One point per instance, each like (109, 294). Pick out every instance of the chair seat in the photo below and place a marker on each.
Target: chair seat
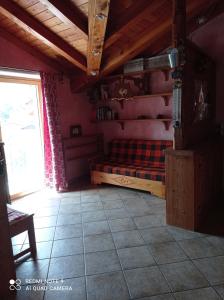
(15, 215)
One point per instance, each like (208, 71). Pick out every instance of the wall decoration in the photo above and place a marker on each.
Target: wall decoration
(104, 92)
(122, 90)
(201, 106)
(75, 130)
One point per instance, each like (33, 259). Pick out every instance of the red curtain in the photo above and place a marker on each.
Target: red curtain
(53, 154)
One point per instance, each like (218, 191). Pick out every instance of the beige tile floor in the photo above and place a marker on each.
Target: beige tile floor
(112, 243)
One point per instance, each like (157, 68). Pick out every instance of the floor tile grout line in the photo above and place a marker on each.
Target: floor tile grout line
(84, 258)
(125, 280)
(195, 258)
(198, 288)
(51, 250)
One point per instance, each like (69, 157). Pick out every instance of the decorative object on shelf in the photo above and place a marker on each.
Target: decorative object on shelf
(104, 92)
(122, 90)
(134, 65)
(156, 62)
(75, 130)
(106, 113)
(94, 94)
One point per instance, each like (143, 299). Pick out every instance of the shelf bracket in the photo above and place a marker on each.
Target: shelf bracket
(166, 100)
(167, 124)
(166, 74)
(121, 124)
(121, 102)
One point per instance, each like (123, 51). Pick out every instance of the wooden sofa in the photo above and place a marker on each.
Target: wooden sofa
(138, 164)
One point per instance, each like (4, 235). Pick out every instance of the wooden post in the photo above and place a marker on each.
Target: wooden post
(179, 23)
(7, 268)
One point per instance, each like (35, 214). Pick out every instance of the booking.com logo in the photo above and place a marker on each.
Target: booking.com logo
(15, 285)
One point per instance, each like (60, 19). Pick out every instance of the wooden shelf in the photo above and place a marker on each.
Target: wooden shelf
(166, 96)
(79, 137)
(88, 155)
(80, 145)
(166, 121)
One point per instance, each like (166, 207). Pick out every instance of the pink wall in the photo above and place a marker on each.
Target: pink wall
(149, 107)
(73, 108)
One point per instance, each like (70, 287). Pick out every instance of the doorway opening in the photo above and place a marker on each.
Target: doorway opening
(21, 130)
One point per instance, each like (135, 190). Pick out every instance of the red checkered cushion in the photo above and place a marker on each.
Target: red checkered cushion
(123, 169)
(103, 167)
(151, 174)
(111, 167)
(148, 153)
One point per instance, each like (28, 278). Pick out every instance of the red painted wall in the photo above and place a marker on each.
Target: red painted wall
(150, 107)
(73, 108)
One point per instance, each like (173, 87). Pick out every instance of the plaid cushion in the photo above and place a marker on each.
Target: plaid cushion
(148, 153)
(123, 169)
(103, 167)
(110, 167)
(151, 174)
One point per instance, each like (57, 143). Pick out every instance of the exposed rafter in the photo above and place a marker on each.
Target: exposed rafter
(32, 50)
(98, 15)
(206, 15)
(119, 56)
(29, 23)
(137, 11)
(67, 13)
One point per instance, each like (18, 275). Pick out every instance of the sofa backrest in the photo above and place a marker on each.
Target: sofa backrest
(148, 153)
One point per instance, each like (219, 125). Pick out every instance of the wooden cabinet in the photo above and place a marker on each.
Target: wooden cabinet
(193, 184)
(7, 269)
(77, 152)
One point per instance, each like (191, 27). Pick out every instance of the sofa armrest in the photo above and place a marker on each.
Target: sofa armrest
(96, 159)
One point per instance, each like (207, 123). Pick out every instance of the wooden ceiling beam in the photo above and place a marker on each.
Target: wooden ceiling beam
(209, 13)
(33, 51)
(29, 23)
(98, 15)
(134, 14)
(119, 56)
(68, 13)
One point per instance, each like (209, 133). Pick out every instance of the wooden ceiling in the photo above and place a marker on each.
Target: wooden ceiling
(93, 38)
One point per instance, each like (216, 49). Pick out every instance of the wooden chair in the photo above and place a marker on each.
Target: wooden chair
(18, 223)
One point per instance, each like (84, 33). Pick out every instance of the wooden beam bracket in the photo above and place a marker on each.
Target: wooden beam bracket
(166, 100)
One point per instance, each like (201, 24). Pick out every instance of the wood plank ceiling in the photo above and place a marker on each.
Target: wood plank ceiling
(94, 38)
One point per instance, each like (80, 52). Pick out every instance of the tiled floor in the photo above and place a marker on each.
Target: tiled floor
(113, 244)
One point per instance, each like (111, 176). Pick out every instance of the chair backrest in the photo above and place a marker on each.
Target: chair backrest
(148, 153)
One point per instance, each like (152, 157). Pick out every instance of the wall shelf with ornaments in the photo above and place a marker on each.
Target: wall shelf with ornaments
(166, 97)
(122, 122)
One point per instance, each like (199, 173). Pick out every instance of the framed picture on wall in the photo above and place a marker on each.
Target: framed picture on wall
(75, 130)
